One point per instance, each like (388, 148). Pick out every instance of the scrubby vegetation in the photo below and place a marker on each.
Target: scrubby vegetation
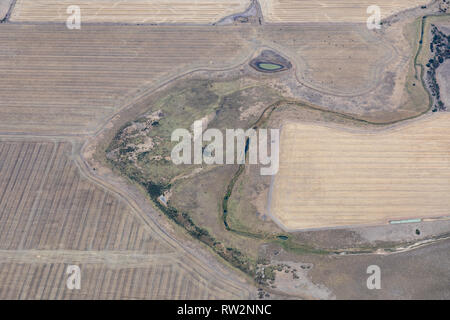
(440, 47)
(232, 255)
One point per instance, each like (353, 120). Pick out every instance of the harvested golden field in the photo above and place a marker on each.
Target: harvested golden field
(52, 216)
(330, 10)
(332, 177)
(130, 11)
(56, 80)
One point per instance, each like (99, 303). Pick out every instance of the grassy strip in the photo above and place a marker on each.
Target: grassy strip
(419, 49)
(228, 195)
(422, 68)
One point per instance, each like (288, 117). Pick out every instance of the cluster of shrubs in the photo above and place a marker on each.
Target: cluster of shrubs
(443, 6)
(440, 46)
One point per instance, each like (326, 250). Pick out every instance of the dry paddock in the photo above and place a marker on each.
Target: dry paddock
(331, 177)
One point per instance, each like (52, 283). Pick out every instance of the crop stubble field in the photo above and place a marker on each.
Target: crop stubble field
(291, 11)
(45, 204)
(56, 80)
(37, 280)
(130, 11)
(51, 216)
(330, 177)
